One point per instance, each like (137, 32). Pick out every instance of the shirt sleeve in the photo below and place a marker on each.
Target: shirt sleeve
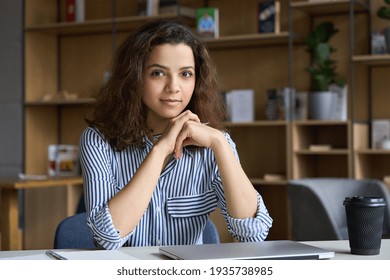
(245, 230)
(99, 186)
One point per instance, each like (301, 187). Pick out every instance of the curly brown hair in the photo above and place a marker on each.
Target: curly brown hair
(119, 110)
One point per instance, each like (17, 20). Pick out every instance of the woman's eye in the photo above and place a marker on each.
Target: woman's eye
(157, 73)
(187, 74)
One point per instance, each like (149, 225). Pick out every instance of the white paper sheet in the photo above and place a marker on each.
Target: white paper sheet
(95, 255)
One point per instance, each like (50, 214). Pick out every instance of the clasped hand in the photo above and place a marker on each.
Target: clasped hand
(185, 130)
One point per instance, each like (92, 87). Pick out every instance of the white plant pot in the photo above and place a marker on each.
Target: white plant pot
(323, 105)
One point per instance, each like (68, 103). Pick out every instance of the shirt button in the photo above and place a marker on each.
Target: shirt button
(158, 242)
(158, 209)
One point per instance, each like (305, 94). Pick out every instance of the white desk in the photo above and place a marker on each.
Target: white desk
(340, 247)
(342, 250)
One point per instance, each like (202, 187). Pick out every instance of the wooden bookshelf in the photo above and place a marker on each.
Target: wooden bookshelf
(75, 56)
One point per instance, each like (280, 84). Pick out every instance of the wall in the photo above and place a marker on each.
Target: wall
(11, 87)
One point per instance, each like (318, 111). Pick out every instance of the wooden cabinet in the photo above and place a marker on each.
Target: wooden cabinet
(321, 149)
(75, 57)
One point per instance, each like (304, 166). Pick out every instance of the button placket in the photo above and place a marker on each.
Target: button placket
(158, 215)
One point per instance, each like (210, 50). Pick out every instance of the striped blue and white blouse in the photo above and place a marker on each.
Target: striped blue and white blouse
(188, 190)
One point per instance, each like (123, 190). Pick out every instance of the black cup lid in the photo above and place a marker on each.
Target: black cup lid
(365, 201)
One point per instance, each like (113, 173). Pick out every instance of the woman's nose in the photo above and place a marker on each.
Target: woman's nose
(172, 85)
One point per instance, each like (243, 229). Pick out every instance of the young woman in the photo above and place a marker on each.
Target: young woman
(155, 159)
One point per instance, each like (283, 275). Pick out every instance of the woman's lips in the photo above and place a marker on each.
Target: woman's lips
(171, 101)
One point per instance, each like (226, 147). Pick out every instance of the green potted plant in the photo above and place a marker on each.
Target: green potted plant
(323, 101)
(384, 13)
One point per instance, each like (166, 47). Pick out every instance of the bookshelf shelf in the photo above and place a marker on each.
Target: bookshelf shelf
(328, 152)
(79, 101)
(320, 123)
(257, 124)
(372, 60)
(96, 26)
(329, 7)
(248, 40)
(373, 152)
(259, 181)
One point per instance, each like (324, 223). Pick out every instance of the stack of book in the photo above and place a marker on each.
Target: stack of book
(165, 7)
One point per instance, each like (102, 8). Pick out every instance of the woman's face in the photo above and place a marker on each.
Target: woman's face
(169, 82)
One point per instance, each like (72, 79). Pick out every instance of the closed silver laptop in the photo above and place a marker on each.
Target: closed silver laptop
(271, 250)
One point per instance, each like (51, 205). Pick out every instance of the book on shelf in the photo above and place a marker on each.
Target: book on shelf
(341, 109)
(207, 22)
(269, 177)
(171, 7)
(74, 10)
(268, 16)
(164, 7)
(286, 103)
(152, 7)
(272, 105)
(70, 10)
(380, 132)
(240, 105)
(320, 147)
(300, 106)
(378, 43)
(148, 7)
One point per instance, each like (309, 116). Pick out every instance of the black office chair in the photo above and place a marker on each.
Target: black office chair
(73, 233)
(317, 210)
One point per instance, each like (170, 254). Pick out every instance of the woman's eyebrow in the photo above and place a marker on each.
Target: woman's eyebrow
(165, 67)
(157, 65)
(187, 67)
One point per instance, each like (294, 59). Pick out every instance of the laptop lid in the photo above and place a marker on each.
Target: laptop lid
(276, 249)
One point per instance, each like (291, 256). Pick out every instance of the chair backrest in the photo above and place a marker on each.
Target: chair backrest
(210, 233)
(73, 233)
(317, 210)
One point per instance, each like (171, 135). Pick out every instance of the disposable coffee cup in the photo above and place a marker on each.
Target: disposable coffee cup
(365, 224)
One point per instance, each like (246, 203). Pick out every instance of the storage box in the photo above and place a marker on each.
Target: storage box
(63, 160)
